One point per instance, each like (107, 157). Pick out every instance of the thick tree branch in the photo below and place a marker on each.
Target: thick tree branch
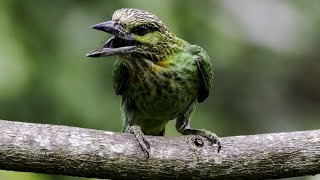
(74, 151)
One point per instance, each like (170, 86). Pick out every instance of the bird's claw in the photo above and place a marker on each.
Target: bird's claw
(144, 144)
(212, 137)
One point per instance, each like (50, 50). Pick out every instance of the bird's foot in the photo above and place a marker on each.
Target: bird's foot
(211, 136)
(205, 133)
(144, 144)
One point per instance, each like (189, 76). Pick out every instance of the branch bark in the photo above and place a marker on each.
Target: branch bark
(63, 150)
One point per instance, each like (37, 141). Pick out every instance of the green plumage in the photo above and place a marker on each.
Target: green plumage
(159, 76)
(158, 94)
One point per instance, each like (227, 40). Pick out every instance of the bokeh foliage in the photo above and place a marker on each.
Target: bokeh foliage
(266, 56)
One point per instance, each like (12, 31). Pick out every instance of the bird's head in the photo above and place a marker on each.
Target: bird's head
(135, 33)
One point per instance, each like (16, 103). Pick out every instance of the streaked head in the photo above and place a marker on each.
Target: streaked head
(135, 33)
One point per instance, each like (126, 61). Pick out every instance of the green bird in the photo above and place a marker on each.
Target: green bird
(159, 75)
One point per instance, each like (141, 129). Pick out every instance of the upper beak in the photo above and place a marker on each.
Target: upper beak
(112, 28)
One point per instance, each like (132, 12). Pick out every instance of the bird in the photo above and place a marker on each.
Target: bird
(159, 76)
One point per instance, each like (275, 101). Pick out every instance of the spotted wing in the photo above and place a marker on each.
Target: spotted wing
(205, 69)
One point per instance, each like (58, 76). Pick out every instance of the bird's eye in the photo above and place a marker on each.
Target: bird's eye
(141, 30)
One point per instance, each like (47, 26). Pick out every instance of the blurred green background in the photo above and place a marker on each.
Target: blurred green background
(266, 56)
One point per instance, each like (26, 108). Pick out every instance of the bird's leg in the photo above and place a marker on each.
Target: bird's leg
(183, 126)
(128, 110)
(144, 144)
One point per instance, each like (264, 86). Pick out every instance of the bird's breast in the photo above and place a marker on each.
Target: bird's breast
(164, 90)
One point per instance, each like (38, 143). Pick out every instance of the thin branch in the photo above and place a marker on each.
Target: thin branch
(63, 150)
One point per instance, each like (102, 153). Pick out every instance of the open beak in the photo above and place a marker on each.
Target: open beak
(120, 44)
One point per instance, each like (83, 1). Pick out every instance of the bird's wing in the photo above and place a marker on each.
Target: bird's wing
(205, 70)
(120, 76)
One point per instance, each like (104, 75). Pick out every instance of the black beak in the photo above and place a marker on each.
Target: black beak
(119, 44)
(112, 28)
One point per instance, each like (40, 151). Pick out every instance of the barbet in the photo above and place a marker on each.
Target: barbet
(159, 76)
